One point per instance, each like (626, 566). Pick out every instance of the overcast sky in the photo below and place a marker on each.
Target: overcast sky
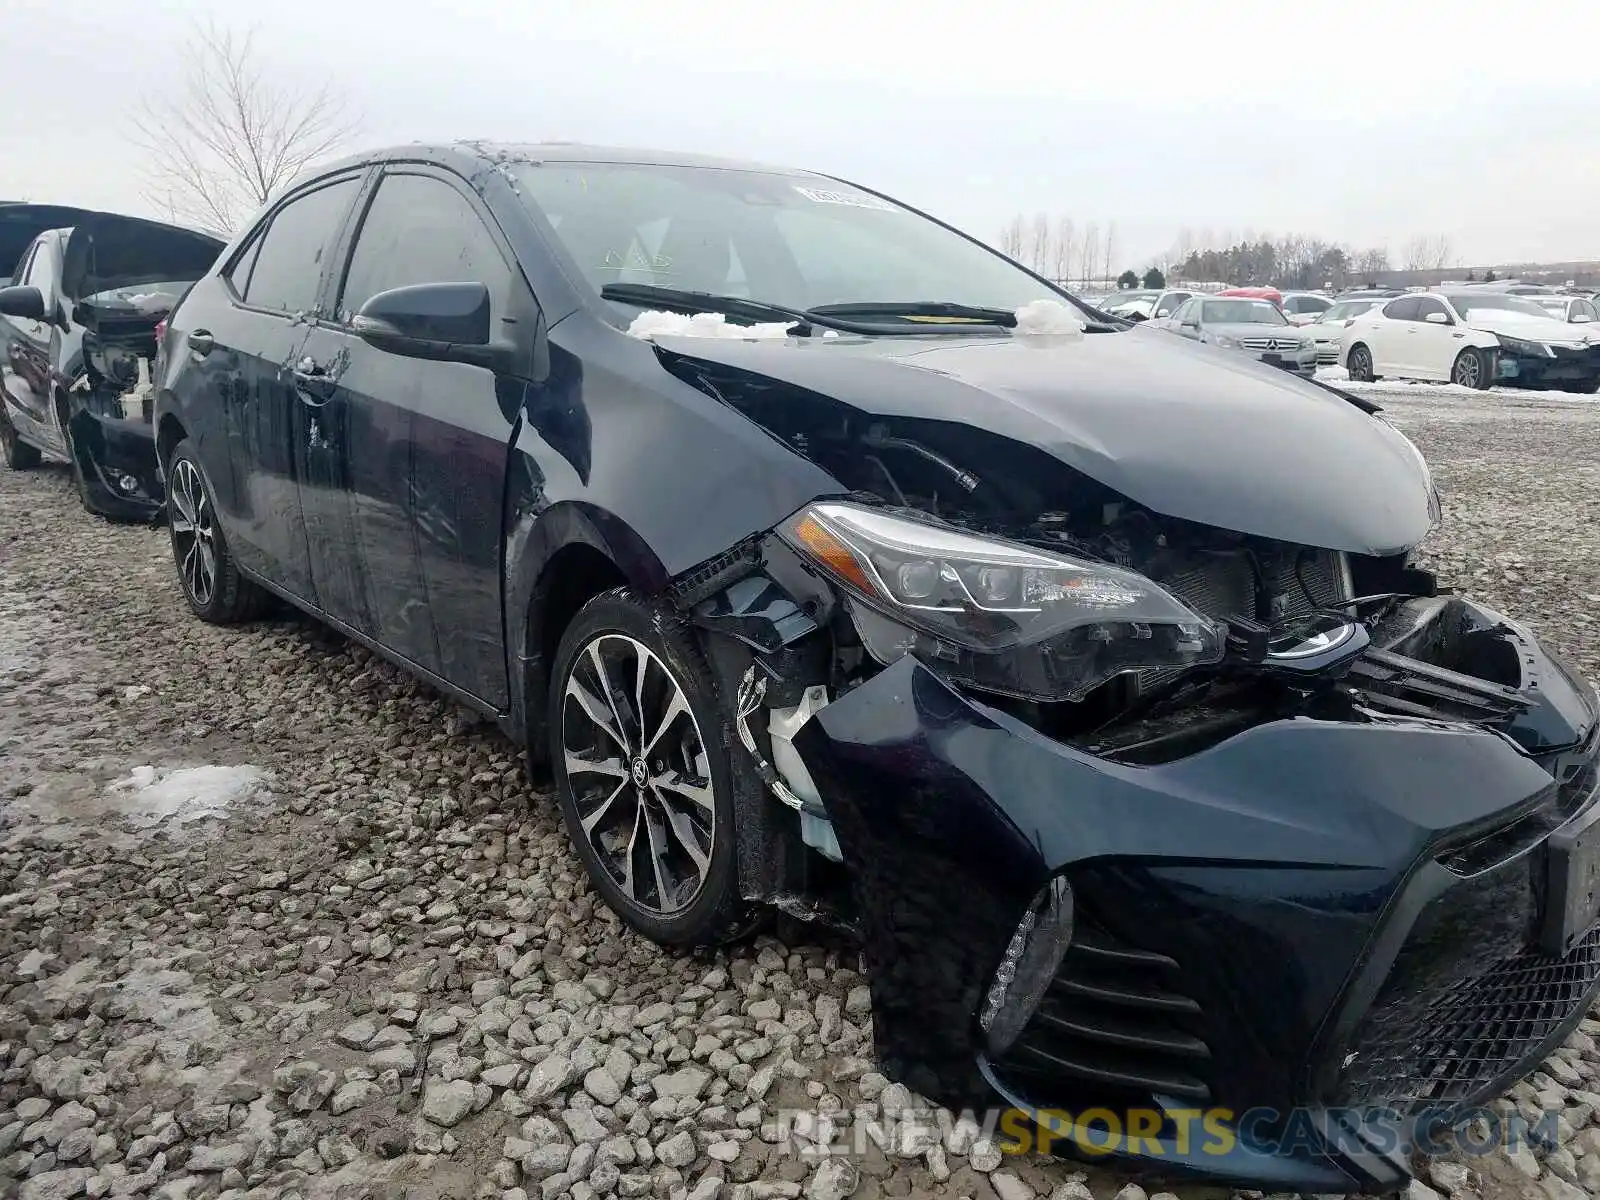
(1361, 122)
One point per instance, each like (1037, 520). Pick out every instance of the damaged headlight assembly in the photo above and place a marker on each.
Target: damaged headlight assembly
(996, 615)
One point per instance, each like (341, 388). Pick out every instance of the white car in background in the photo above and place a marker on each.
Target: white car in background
(1474, 339)
(1302, 308)
(1328, 328)
(1574, 310)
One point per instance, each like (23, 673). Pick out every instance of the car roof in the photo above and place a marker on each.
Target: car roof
(476, 154)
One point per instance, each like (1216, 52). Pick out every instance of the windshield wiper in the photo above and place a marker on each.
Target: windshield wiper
(682, 301)
(936, 309)
(939, 311)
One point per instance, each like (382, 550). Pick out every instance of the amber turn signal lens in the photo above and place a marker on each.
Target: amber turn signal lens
(832, 553)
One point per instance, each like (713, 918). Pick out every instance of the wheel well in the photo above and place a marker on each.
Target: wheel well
(168, 436)
(573, 576)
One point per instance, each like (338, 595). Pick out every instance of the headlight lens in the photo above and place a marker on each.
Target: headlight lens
(996, 615)
(1223, 340)
(1513, 345)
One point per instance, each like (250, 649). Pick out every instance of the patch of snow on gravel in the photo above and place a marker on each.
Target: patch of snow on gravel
(149, 796)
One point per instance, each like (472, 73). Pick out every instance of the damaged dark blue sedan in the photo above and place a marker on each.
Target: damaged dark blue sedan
(829, 561)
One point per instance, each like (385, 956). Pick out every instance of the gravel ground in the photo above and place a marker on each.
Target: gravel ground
(277, 920)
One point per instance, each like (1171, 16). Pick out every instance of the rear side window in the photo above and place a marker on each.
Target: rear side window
(419, 229)
(288, 266)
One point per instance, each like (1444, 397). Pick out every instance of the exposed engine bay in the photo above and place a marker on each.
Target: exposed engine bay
(1310, 631)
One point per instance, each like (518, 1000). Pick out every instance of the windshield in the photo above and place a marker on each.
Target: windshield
(1346, 309)
(1466, 304)
(1242, 312)
(794, 240)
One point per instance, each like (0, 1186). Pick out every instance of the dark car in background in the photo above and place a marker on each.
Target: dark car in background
(827, 559)
(78, 339)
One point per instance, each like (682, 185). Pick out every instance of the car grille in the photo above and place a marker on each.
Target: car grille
(1282, 345)
(1469, 1003)
(1113, 1019)
(1327, 355)
(1463, 1046)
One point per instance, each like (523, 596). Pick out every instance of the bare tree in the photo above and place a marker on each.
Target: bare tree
(1064, 249)
(229, 136)
(1111, 244)
(1091, 252)
(1040, 258)
(1372, 263)
(1012, 237)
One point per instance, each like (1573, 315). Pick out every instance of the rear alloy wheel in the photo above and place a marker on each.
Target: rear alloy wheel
(648, 790)
(18, 454)
(1359, 364)
(1471, 370)
(211, 581)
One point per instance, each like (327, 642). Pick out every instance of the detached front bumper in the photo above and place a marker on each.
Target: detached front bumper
(117, 457)
(1304, 923)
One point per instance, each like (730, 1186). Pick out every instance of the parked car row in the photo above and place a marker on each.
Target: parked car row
(1475, 338)
(824, 558)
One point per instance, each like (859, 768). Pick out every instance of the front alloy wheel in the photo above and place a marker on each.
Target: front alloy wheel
(1471, 370)
(647, 787)
(1359, 364)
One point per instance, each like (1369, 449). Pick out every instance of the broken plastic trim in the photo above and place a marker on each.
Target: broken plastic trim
(752, 691)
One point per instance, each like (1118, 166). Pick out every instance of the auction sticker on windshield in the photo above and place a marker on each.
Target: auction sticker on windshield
(849, 199)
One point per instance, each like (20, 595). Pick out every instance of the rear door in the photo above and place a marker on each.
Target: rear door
(428, 441)
(244, 346)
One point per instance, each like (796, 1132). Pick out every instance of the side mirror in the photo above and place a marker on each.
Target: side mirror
(24, 302)
(1437, 318)
(442, 322)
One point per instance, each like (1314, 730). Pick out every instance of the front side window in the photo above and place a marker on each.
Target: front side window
(1170, 304)
(1403, 309)
(41, 269)
(23, 264)
(1428, 305)
(420, 229)
(288, 268)
(789, 239)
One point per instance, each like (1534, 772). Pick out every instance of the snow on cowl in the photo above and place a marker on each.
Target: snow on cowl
(1048, 318)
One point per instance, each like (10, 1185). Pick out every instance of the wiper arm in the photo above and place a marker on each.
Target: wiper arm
(682, 301)
(933, 309)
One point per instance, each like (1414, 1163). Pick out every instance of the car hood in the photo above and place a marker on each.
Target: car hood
(20, 223)
(1533, 329)
(1183, 429)
(108, 251)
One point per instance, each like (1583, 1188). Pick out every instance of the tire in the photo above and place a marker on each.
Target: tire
(1472, 370)
(637, 820)
(1588, 387)
(18, 454)
(225, 597)
(1358, 363)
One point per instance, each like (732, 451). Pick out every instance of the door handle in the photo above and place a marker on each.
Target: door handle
(312, 382)
(201, 342)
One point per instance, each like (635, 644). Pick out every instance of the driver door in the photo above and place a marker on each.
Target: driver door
(30, 350)
(1435, 344)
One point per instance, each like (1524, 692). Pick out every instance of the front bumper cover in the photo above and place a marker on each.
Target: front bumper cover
(112, 450)
(1286, 886)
